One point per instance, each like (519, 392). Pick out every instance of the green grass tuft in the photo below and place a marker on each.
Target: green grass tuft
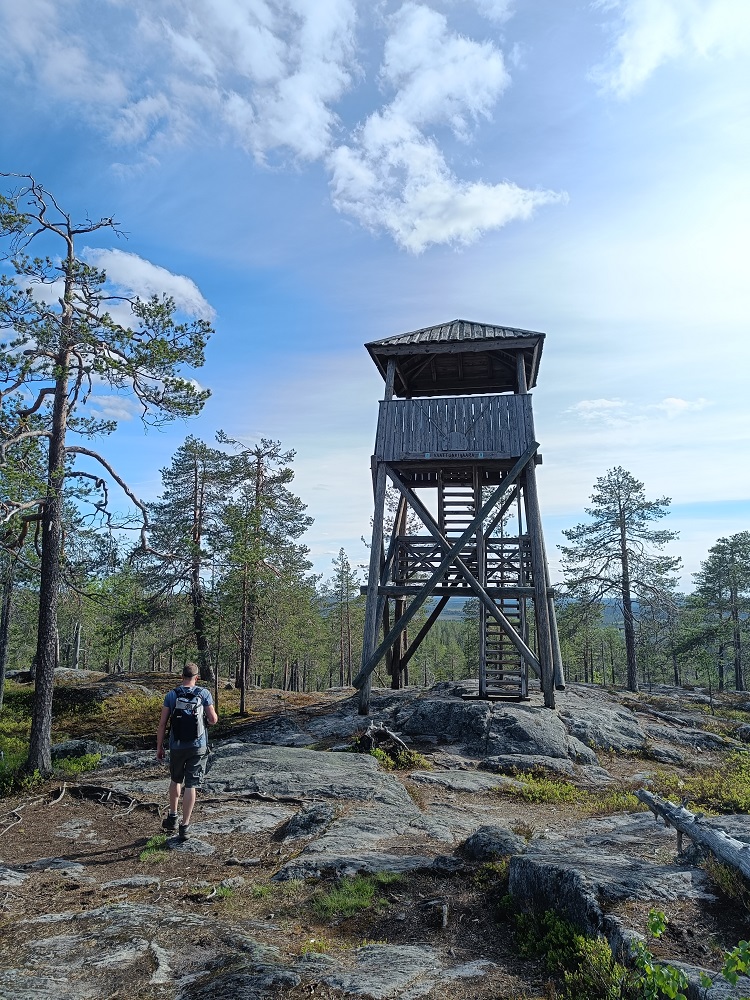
(155, 849)
(538, 787)
(352, 895)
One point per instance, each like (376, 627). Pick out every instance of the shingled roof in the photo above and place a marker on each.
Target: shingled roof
(458, 358)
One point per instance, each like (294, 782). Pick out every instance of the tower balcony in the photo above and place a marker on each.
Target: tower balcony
(450, 428)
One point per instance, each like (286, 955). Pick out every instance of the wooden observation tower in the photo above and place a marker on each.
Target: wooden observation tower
(455, 439)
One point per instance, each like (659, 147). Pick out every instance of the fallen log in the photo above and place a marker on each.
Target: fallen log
(725, 849)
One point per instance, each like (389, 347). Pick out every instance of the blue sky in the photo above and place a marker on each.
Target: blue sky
(318, 174)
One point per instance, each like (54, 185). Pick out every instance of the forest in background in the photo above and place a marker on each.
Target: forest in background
(227, 581)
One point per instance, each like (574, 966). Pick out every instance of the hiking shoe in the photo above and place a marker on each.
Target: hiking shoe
(184, 831)
(169, 823)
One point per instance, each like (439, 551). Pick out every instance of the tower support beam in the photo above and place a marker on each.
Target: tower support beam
(452, 556)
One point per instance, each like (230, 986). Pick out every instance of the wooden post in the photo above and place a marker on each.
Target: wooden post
(399, 603)
(369, 638)
(541, 605)
(544, 610)
(521, 386)
(482, 577)
(557, 659)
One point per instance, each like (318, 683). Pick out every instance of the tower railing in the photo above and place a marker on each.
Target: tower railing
(447, 427)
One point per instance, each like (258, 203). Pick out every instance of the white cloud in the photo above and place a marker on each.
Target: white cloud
(393, 176)
(133, 275)
(269, 69)
(650, 33)
(441, 77)
(673, 407)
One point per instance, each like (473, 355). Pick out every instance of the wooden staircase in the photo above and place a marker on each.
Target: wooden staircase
(457, 503)
(502, 672)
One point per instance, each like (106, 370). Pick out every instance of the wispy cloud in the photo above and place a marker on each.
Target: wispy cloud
(130, 275)
(495, 10)
(649, 33)
(38, 47)
(611, 412)
(114, 407)
(620, 413)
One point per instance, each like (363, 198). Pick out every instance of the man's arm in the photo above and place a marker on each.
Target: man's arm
(165, 713)
(211, 717)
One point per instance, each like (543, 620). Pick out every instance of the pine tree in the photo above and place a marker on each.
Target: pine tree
(262, 519)
(613, 554)
(723, 587)
(59, 346)
(186, 523)
(344, 601)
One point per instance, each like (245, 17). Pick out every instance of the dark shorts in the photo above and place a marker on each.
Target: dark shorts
(188, 767)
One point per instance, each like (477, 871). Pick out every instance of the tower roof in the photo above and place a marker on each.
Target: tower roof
(458, 358)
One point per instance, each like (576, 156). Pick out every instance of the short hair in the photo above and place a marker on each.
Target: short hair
(190, 670)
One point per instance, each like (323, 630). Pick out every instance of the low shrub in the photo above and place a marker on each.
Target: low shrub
(585, 967)
(401, 760)
(721, 790)
(78, 765)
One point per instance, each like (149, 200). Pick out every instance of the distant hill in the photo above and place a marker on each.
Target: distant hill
(454, 610)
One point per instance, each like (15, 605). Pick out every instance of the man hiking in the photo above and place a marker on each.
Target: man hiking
(190, 709)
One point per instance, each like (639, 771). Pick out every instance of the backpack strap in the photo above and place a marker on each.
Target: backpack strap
(168, 727)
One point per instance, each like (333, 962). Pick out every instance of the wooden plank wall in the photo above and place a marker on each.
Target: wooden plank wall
(497, 426)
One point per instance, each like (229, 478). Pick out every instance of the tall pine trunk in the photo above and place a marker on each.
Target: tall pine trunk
(199, 624)
(627, 612)
(40, 744)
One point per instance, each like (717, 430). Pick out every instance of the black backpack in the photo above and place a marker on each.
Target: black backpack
(186, 720)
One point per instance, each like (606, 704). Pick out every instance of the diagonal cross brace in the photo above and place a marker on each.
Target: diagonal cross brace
(387, 563)
(452, 556)
(475, 585)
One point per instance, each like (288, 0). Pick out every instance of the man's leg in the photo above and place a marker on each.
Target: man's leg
(188, 802)
(170, 823)
(195, 768)
(174, 796)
